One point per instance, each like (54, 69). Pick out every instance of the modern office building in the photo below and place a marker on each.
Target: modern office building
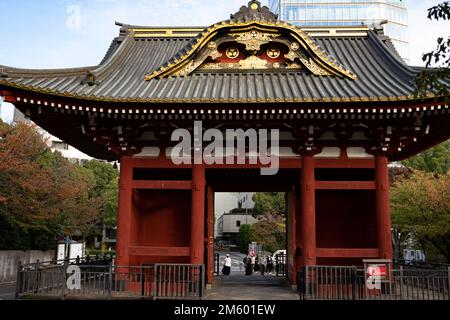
(223, 202)
(335, 13)
(246, 200)
(229, 224)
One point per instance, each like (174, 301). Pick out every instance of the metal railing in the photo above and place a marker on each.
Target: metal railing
(351, 283)
(281, 265)
(217, 264)
(157, 281)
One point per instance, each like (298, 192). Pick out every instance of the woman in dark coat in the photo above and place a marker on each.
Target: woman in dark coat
(248, 266)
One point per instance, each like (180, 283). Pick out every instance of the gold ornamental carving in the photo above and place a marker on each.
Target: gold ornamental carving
(295, 46)
(232, 53)
(273, 53)
(212, 45)
(253, 40)
(188, 68)
(253, 62)
(312, 66)
(254, 6)
(291, 55)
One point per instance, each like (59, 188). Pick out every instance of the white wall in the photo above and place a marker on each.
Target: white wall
(229, 222)
(9, 261)
(223, 203)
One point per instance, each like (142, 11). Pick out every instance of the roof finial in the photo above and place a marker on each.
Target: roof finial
(253, 11)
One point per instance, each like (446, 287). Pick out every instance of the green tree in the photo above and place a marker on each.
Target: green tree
(436, 159)
(106, 187)
(437, 79)
(111, 202)
(245, 237)
(270, 235)
(269, 203)
(420, 205)
(103, 173)
(42, 195)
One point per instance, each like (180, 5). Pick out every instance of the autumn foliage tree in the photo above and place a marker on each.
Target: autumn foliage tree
(42, 195)
(270, 232)
(421, 207)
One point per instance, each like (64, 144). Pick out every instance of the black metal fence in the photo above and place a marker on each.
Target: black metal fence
(281, 265)
(66, 281)
(351, 283)
(217, 264)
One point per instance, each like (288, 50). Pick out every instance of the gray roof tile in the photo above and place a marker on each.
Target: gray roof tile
(122, 72)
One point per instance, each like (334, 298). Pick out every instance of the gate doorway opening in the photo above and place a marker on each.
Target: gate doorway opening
(235, 223)
(251, 225)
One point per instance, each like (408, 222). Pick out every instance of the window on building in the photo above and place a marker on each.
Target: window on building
(59, 145)
(238, 223)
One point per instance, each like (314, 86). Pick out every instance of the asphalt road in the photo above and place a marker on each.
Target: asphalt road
(7, 292)
(237, 264)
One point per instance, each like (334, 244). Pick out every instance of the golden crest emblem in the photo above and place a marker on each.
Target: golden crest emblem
(232, 53)
(273, 53)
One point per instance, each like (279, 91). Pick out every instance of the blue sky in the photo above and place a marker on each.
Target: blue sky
(40, 34)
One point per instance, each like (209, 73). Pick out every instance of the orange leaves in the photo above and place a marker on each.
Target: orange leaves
(40, 190)
(420, 206)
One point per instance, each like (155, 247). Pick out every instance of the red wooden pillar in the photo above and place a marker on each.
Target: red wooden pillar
(382, 208)
(210, 236)
(124, 218)
(292, 236)
(308, 227)
(198, 214)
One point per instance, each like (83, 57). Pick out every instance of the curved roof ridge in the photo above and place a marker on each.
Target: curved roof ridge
(188, 50)
(386, 51)
(115, 56)
(126, 27)
(115, 44)
(12, 72)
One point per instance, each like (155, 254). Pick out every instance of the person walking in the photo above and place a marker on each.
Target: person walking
(248, 266)
(262, 265)
(269, 264)
(227, 266)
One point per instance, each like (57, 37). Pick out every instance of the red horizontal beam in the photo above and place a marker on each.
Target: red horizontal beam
(345, 185)
(344, 163)
(162, 184)
(346, 253)
(158, 163)
(285, 163)
(8, 96)
(160, 251)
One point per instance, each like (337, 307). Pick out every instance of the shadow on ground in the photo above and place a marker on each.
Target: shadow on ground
(254, 287)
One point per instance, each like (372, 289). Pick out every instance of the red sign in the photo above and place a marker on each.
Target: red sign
(377, 270)
(252, 253)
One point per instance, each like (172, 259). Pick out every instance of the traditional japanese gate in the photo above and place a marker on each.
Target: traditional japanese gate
(342, 101)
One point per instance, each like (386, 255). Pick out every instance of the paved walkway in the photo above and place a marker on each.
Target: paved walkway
(254, 287)
(7, 292)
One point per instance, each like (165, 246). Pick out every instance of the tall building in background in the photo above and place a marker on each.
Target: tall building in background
(334, 13)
